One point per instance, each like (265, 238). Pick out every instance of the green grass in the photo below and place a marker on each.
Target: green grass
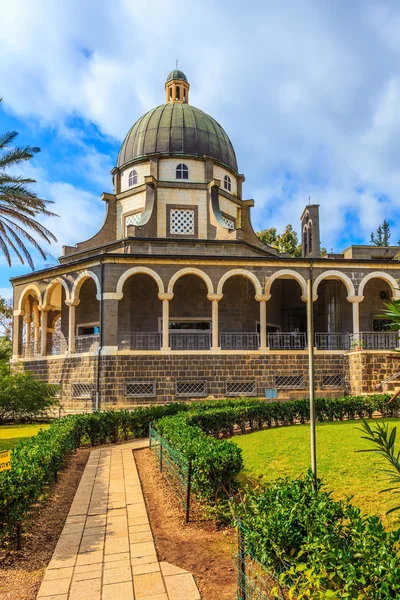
(274, 453)
(10, 435)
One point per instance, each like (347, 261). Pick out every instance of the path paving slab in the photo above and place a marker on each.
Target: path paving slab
(106, 550)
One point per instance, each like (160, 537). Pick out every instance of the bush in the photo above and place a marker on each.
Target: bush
(24, 398)
(215, 463)
(318, 547)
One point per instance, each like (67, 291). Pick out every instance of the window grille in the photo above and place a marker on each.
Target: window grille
(182, 172)
(333, 381)
(289, 381)
(229, 222)
(140, 389)
(227, 183)
(133, 219)
(182, 221)
(81, 390)
(191, 388)
(132, 178)
(240, 388)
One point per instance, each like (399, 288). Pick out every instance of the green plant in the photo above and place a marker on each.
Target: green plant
(384, 439)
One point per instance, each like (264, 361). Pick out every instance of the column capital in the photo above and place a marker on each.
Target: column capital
(110, 296)
(262, 297)
(355, 298)
(44, 308)
(216, 297)
(19, 313)
(72, 302)
(165, 296)
(27, 319)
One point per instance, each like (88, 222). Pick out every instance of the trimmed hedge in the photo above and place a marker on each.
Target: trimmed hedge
(317, 547)
(36, 461)
(216, 463)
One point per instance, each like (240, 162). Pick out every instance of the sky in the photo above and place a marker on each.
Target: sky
(308, 92)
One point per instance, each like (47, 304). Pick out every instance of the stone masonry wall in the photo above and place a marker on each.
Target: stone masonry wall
(165, 371)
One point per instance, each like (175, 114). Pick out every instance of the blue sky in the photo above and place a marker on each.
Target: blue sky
(309, 93)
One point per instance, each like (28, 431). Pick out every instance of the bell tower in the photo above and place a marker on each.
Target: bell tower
(177, 87)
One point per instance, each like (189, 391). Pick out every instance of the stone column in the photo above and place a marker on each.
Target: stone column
(110, 322)
(263, 299)
(166, 298)
(17, 333)
(215, 298)
(43, 339)
(71, 325)
(27, 321)
(355, 300)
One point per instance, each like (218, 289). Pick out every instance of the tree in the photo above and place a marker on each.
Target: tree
(19, 206)
(384, 440)
(382, 235)
(287, 241)
(6, 313)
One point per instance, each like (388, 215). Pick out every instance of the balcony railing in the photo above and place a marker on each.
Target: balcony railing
(287, 341)
(239, 341)
(140, 341)
(87, 343)
(199, 340)
(332, 341)
(374, 340)
(30, 349)
(57, 346)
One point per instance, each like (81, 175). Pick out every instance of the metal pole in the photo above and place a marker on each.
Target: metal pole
(188, 490)
(241, 566)
(310, 346)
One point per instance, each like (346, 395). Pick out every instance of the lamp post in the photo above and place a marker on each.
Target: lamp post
(310, 346)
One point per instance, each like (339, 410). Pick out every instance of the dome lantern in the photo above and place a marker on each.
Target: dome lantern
(177, 87)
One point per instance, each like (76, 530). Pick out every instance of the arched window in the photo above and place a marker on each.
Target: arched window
(310, 240)
(305, 236)
(178, 92)
(227, 183)
(182, 172)
(132, 178)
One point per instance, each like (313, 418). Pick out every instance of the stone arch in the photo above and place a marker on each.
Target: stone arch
(191, 271)
(333, 274)
(287, 274)
(136, 271)
(390, 280)
(50, 289)
(29, 288)
(74, 298)
(243, 273)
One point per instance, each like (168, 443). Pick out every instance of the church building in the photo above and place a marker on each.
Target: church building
(177, 298)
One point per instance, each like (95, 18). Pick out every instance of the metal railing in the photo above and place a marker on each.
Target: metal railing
(287, 341)
(332, 341)
(175, 467)
(140, 341)
(239, 341)
(30, 349)
(57, 346)
(180, 340)
(374, 340)
(394, 377)
(87, 343)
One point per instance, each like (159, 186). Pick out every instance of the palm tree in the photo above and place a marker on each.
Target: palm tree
(19, 207)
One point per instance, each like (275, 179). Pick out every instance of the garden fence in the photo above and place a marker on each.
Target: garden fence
(254, 582)
(175, 467)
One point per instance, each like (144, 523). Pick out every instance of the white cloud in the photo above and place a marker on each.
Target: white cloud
(305, 88)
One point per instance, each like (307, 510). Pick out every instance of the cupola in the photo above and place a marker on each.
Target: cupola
(177, 87)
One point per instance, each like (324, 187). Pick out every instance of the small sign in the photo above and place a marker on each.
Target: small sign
(271, 393)
(5, 460)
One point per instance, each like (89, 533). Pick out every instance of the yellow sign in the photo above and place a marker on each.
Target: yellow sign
(5, 460)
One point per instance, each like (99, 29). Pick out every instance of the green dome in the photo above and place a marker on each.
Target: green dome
(176, 74)
(177, 128)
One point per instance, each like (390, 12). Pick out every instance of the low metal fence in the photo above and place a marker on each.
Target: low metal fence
(176, 469)
(254, 581)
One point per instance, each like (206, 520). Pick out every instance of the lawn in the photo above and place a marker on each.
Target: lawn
(10, 435)
(273, 453)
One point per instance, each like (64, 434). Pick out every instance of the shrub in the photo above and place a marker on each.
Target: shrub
(22, 397)
(318, 547)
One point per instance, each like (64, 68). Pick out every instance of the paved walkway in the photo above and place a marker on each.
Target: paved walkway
(106, 549)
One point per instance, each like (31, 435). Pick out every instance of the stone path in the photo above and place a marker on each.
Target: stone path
(106, 549)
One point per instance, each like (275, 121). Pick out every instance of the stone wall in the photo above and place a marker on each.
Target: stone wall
(166, 371)
(368, 369)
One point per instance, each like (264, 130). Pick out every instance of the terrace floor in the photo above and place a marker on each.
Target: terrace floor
(106, 550)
